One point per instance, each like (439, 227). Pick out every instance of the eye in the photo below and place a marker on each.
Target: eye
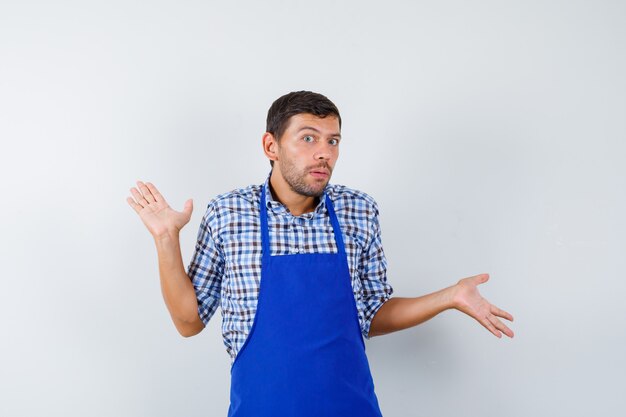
(308, 138)
(334, 142)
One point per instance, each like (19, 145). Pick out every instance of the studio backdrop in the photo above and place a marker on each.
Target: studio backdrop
(491, 134)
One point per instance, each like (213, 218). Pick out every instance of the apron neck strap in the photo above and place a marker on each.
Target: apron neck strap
(265, 234)
(341, 249)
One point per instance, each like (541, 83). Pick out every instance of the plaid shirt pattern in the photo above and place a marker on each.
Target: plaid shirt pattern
(225, 268)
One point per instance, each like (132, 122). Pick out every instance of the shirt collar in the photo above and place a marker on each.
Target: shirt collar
(280, 208)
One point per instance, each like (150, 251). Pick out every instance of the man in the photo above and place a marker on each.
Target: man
(298, 268)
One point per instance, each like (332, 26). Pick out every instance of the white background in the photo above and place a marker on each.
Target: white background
(491, 133)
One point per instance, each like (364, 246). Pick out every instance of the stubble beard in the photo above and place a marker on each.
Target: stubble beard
(296, 179)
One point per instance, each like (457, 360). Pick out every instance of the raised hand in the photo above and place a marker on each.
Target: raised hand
(468, 300)
(160, 219)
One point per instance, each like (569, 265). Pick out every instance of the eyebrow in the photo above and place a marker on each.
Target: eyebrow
(316, 130)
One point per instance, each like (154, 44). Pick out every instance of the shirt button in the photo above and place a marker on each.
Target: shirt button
(296, 250)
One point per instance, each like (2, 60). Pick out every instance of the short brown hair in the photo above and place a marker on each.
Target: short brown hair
(298, 102)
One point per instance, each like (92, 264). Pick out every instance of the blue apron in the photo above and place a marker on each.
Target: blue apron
(304, 356)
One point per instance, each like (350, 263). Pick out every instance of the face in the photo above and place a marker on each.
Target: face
(307, 153)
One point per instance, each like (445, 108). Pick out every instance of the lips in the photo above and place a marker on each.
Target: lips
(319, 173)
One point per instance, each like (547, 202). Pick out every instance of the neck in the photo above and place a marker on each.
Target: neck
(297, 204)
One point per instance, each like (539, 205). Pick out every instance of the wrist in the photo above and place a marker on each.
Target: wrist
(449, 296)
(167, 237)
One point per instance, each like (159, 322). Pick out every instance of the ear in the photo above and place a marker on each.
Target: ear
(270, 146)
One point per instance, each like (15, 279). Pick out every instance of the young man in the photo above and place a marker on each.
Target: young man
(298, 268)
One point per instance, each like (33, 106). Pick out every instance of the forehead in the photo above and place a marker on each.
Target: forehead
(326, 125)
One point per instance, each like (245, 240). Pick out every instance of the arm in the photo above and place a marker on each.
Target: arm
(402, 313)
(165, 224)
(178, 292)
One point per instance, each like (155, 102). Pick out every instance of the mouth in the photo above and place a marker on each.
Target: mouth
(320, 173)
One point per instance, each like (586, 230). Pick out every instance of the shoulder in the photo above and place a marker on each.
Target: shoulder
(357, 213)
(241, 200)
(350, 199)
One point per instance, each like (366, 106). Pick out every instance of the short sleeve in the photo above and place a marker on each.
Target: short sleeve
(373, 272)
(206, 268)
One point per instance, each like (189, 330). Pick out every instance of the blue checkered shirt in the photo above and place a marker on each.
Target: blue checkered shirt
(226, 266)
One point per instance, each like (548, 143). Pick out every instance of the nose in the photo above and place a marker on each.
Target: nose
(323, 152)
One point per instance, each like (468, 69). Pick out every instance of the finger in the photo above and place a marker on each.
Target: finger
(501, 313)
(146, 192)
(489, 325)
(157, 195)
(134, 205)
(500, 326)
(138, 197)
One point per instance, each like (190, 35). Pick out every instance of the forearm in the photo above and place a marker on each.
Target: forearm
(176, 287)
(400, 313)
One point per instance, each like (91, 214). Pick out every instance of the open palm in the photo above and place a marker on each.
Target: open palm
(160, 219)
(468, 300)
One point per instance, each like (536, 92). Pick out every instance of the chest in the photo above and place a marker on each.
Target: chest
(240, 243)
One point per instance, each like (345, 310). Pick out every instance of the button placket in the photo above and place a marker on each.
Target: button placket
(296, 235)
(302, 221)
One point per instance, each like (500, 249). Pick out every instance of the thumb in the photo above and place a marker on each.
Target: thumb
(188, 207)
(481, 278)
